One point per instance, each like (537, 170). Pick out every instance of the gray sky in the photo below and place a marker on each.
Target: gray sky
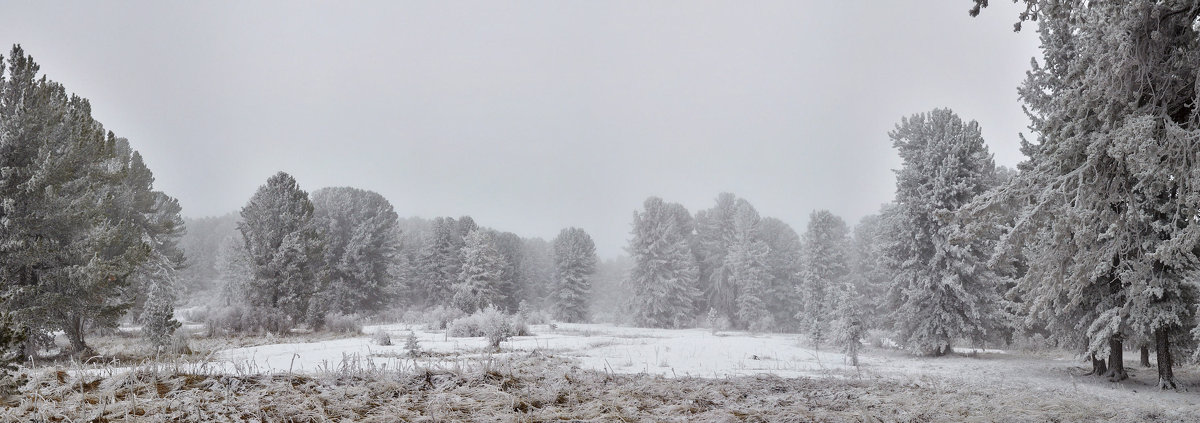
(536, 115)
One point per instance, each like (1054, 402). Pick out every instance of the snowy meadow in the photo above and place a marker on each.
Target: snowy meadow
(592, 372)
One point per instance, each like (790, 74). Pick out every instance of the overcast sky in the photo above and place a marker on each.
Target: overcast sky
(533, 116)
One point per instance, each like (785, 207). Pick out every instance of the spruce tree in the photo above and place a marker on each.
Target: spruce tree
(664, 275)
(285, 250)
(826, 271)
(574, 264)
(749, 274)
(361, 245)
(941, 288)
(714, 240)
(783, 264)
(1109, 193)
(479, 280)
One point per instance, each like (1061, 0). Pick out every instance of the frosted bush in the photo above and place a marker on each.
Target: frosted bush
(490, 323)
(411, 345)
(439, 317)
(341, 323)
(382, 338)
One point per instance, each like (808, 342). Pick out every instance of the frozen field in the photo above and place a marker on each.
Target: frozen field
(597, 373)
(699, 353)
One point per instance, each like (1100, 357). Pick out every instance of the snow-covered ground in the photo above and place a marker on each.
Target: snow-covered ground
(698, 352)
(686, 352)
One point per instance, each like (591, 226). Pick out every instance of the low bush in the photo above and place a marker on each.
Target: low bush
(381, 337)
(490, 323)
(342, 323)
(436, 318)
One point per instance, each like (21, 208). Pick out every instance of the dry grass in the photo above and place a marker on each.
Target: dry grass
(530, 387)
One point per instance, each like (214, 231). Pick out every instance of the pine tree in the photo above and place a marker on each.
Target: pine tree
(825, 273)
(783, 264)
(848, 325)
(869, 275)
(941, 289)
(664, 275)
(359, 228)
(479, 281)
(536, 272)
(511, 247)
(750, 276)
(574, 263)
(1109, 191)
(714, 240)
(77, 214)
(285, 250)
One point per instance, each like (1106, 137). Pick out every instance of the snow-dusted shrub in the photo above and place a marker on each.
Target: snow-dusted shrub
(240, 319)
(715, 321)
(342, 323)
(490, 323)
(436, 318)
(381, 337)
(411, 345)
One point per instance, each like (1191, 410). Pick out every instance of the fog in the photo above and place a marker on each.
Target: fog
(533, 116)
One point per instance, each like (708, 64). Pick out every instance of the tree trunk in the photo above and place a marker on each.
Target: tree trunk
(74, 332)
(29, 348)
(1116, 360)
(1099, 367)
(1145, 355)
(1162, 345)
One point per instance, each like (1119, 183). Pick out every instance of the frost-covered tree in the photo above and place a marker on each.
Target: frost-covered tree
(79, 215)
(848, 325)
(748, 262)
(511, 247)
(664, 275)
(941, 289)
(868, 271)
(1110, 189)
(361, 244)
(826, 273)
(439, 262)
(235, 271)
(536, 271)
(285, 248)
(479, 280)
(714, 238)
(574, 263)
(783, 264)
